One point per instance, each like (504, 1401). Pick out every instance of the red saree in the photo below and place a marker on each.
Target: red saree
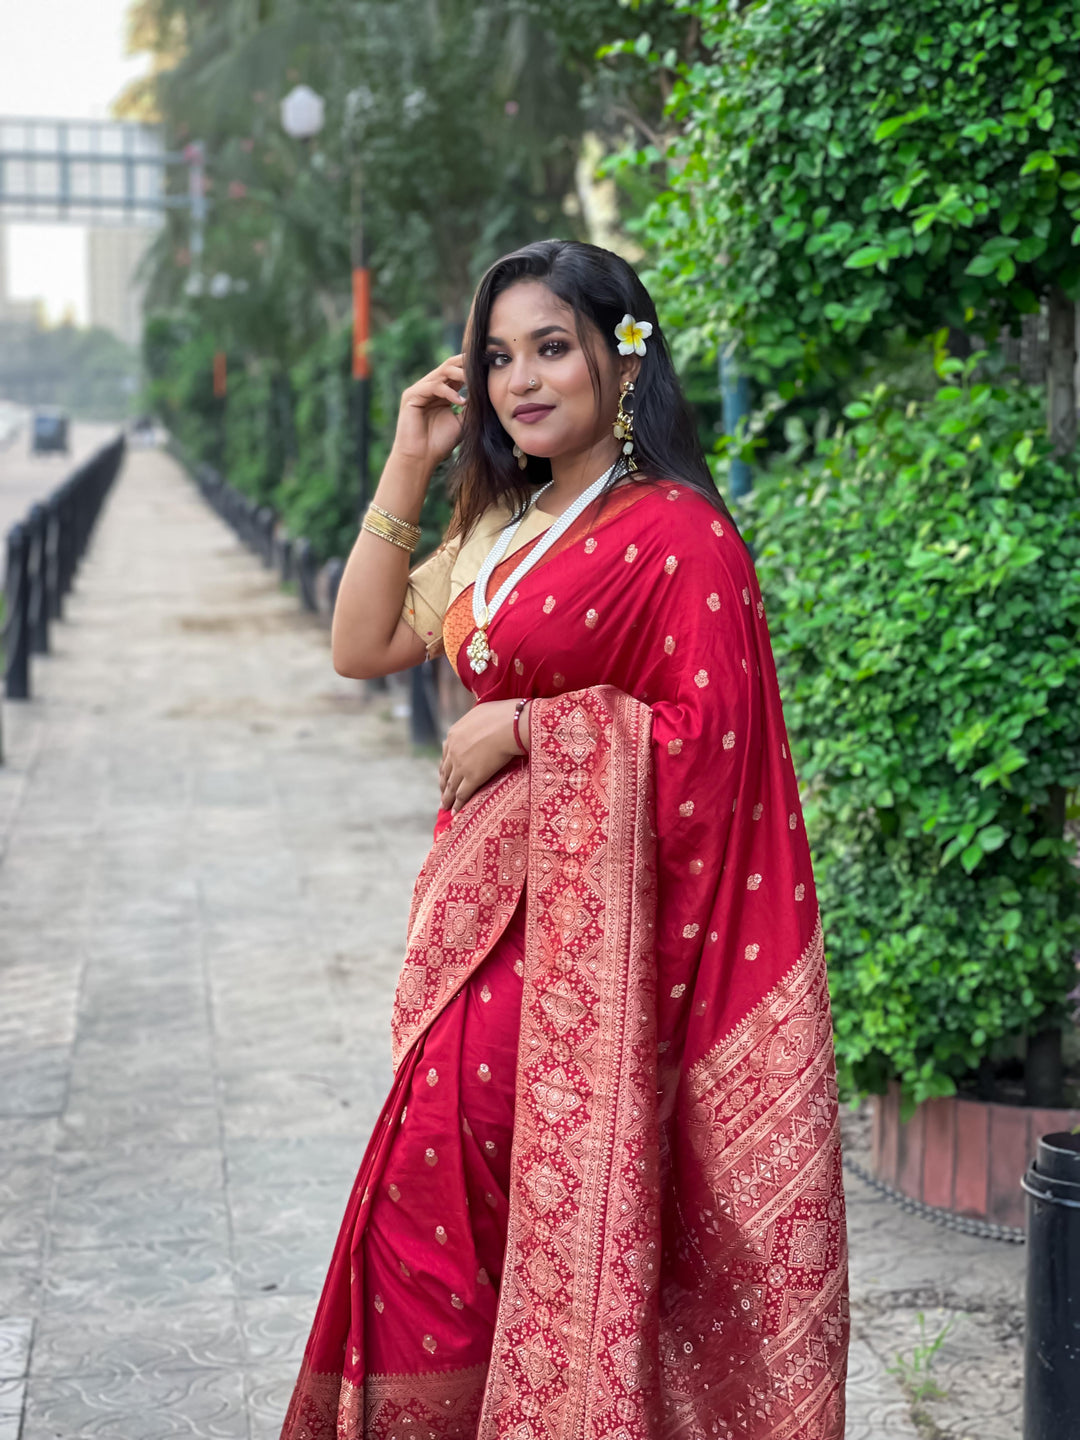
(604, 1198)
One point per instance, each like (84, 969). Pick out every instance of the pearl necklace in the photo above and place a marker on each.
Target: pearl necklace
(479, 651)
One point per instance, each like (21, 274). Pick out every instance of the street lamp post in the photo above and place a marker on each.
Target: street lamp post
(303, 115)
(195, 155)
(361, 364)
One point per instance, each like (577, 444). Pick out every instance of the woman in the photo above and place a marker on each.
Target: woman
(604, 1197)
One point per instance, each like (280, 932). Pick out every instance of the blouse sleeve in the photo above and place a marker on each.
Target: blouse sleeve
(428, 595)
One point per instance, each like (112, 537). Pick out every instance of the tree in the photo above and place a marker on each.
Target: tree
(88, 371)
(454, 123)
(452, 128)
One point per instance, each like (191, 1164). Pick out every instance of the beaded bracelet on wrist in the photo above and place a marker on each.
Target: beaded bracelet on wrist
(518, 708)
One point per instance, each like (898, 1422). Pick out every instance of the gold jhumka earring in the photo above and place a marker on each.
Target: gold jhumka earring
(623, 429)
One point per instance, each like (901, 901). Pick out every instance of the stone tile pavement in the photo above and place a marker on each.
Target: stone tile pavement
(207, 843)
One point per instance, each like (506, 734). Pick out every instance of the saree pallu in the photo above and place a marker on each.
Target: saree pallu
(662, 1252)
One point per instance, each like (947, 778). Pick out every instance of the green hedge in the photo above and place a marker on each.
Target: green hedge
(178, 360)
(922, 568)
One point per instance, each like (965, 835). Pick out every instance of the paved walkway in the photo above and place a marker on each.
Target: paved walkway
(207, 842)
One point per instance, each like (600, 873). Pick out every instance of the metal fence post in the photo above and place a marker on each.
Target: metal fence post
(305, 574)
(285, 557)
(53, 522)
(266, 534)
(335, 569)
(37, 608)
(424, 706)
(16, 639)
(1052, 1334)
(66, 545)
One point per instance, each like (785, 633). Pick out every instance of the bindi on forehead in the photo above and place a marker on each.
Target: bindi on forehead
(540, 334)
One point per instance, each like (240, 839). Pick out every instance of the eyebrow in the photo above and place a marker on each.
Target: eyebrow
(536, 334)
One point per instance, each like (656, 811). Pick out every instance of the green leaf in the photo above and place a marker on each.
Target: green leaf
(992, 837)
(970, 857)
(888, 128)
(865, 256)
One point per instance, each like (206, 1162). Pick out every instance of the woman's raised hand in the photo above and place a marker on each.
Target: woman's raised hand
(428, 427)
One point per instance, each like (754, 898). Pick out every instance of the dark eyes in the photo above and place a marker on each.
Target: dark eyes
(494, 359)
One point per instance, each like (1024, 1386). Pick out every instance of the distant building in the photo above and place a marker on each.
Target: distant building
(115, 298)
(14, 312)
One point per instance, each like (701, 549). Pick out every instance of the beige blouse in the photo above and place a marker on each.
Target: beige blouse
(436, 584)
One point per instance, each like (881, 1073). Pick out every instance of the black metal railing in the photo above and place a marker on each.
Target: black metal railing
(43, 554)
(295, 561)
(257, 527)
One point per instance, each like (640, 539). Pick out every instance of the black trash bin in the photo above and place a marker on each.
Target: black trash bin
(1052, 1342)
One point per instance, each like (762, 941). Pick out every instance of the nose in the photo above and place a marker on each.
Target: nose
(519, 377)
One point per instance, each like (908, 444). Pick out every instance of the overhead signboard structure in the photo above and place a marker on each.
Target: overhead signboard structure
(99, 173)
(91, 172)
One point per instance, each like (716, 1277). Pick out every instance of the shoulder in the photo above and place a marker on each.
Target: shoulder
(470, 550)
(674, 512)
(676, 531)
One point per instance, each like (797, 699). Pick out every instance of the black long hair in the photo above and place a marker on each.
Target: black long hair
(601, 287)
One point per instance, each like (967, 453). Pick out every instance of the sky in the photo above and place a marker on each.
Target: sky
(59, 59)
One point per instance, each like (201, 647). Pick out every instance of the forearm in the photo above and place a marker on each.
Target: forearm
(372, 590)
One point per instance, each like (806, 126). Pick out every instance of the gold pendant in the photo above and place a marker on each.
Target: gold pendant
(479, 651)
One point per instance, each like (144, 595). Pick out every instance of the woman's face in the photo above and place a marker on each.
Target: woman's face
(532, 337)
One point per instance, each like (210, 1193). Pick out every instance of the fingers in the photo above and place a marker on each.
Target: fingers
(466, 790)
(449, 783)
(453, 379)
(449, 370)
(456, 788)
(434, 388)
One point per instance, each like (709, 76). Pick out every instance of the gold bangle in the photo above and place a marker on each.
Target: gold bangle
(406, 525)
(404, 529)
(377, 525)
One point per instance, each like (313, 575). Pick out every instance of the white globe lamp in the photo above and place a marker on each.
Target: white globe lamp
(303, 113)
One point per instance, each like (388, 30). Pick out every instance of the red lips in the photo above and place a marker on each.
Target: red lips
(532, 412)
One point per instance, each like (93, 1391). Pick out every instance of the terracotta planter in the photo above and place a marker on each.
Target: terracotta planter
(960, 1154)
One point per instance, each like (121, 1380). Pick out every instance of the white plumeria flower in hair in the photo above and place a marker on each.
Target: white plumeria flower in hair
(631, 335)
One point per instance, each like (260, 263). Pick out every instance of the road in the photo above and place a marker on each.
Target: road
(25, 478)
